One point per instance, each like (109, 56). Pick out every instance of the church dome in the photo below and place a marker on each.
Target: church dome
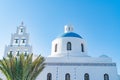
(71, 34)
(69, 44)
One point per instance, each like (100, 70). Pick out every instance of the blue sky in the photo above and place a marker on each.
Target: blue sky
(97, 21)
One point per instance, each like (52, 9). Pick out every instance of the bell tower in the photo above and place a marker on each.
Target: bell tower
(19, 42)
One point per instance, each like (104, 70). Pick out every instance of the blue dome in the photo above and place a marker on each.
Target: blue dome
(71, 34)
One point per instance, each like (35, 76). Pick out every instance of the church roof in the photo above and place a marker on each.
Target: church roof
(104, 56)
(71, 34)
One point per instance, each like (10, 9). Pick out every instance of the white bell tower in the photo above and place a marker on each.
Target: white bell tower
(19, 42)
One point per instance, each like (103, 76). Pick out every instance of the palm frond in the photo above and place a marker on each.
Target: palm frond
(22, 67)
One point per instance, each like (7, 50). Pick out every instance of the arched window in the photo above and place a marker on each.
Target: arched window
(25, 53)
(21, 30)
(18, 52)
(11, 52)
(67, 76)
(55, 47)
(69, 46)
(69, 28)
(82, 47)
(23, 40)
(16, 40)
(106, 77)
(49, 76)
(86, 76)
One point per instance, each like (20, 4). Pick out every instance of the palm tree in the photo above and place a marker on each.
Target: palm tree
(22, 67)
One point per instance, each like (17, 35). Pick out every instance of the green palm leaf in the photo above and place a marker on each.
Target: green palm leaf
(22, 67)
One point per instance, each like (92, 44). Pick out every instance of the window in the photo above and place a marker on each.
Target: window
(67, 76)
(10, 52)
(21, 30)
(18, 52)
(55, 47)
(86, 76)
(16, 40)
(69, 28)
(49, 76)
(23, 40)
(69, 46)
(25, 53)
(82, 47)
(106, 77)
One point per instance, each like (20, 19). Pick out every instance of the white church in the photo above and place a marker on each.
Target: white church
(68, 59)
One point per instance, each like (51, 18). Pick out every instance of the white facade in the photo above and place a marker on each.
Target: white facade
(19, 42)
(69, 61)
